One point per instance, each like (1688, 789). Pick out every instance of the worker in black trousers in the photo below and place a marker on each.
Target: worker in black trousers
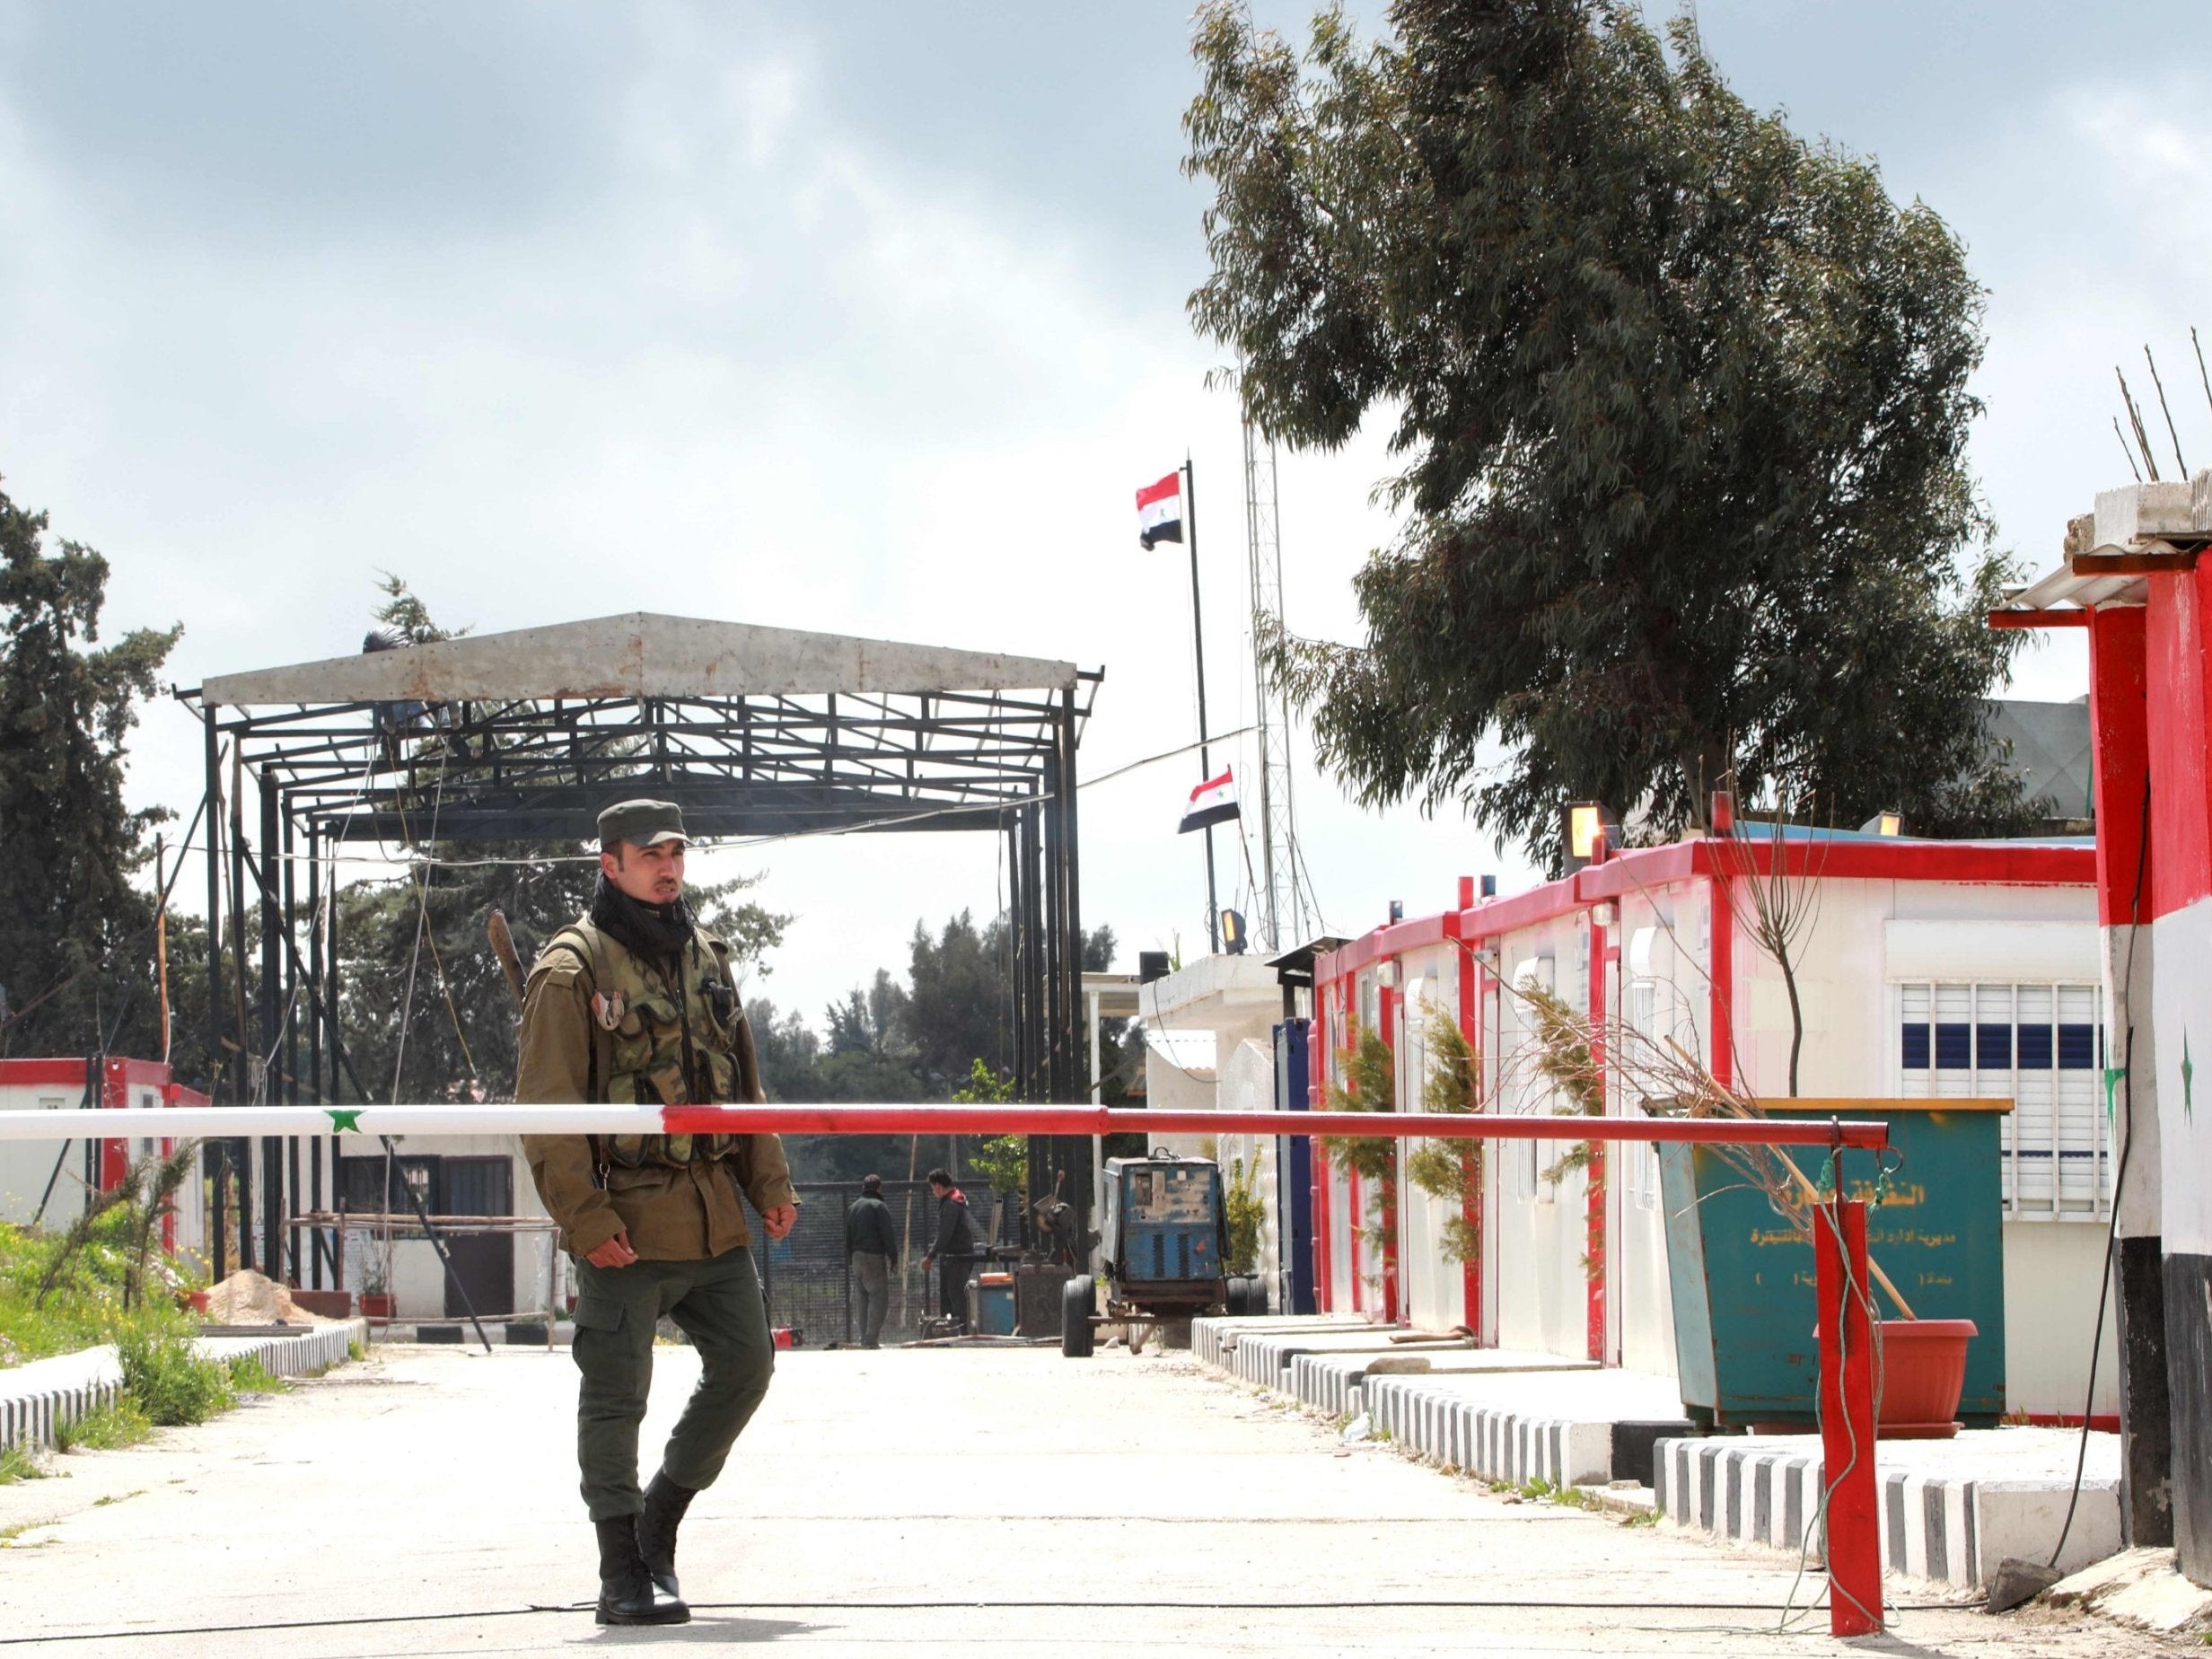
(954, 1247)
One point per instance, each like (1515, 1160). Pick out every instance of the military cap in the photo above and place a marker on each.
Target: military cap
(641, 823)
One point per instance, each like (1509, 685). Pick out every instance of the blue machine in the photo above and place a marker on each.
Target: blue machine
(1164, 1243)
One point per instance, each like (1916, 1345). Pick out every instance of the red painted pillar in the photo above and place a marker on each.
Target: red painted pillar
(1854, 1543)
(1471, 1206)
(1599, 1267)
(114, 1155)
(1722, 1061)
(1386, 1011)
(1319, 1052)
(2120, 729)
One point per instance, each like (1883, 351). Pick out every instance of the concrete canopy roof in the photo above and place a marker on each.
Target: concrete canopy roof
(639, 654)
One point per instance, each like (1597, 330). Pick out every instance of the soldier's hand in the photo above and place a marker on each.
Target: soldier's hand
(779, 1219)
(615, 1252)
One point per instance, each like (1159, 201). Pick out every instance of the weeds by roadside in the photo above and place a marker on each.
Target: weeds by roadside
(19, 1463)
(172, 1384)
(109, 1429)
(249, 1375)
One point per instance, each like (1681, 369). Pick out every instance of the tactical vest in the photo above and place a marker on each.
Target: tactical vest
(638, 1019)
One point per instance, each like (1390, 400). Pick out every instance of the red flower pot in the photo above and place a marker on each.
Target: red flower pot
(376, 1307)
(1923, 1373)
(198, 1299)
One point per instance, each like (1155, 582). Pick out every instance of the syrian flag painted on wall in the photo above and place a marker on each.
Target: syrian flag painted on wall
(1212, 801)
(1159, 511)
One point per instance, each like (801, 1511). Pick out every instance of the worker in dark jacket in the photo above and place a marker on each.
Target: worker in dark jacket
(954, 1247)
(872, 1246)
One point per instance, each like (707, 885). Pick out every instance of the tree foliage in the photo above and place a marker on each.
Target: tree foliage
(73, 929)
(1682, 402)
(936, 1036)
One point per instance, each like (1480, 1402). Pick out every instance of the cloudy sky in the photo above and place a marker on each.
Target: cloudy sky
(868, 318)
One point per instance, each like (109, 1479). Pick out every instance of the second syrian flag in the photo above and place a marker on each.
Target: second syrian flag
(1212, 801)
(1159, 511)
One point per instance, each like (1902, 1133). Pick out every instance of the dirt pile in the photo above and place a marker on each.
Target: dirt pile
(250, 1298)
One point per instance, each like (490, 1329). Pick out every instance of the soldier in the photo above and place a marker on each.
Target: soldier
(635, 1003)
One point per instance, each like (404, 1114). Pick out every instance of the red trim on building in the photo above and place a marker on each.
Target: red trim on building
(35, 1073)
(2120, 755)
(2028, 863)
(2176, 722)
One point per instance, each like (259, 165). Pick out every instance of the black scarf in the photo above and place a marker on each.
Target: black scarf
(657, 932)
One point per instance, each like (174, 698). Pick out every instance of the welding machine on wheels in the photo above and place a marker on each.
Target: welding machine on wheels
(1164, 1241)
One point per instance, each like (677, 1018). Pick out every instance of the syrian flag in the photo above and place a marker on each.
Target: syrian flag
(1212, 801)
(1159, 511)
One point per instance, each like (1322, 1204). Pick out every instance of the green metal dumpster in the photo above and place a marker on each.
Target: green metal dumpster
(1742, 1277)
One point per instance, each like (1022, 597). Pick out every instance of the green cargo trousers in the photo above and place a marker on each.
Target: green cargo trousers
(717, 1303)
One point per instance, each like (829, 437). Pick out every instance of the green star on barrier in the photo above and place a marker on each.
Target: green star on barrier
(2189, 1071)
(342, 1118)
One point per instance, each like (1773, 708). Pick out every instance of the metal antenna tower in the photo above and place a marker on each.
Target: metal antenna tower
(1281, 899)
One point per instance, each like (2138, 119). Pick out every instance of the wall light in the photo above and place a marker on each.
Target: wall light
(1883, 823)
(1588, 830)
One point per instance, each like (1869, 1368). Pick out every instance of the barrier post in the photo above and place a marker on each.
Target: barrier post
(1853, 1546)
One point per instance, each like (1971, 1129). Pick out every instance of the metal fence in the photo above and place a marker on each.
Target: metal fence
(809, 1282)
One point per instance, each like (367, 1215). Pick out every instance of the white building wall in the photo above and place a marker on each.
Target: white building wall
(1540, 1233)
(417, 1278)
(1432, 1286)
(1248, 1085)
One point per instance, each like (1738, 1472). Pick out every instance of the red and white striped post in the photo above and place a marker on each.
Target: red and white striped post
(1847, 1369)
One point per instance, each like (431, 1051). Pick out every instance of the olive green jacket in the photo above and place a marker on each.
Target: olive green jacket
(669, 1214)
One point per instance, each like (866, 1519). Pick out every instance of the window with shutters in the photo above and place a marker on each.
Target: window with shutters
(2042, 1045)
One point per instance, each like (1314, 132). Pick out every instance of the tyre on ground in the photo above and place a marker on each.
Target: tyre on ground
(1076, 1301)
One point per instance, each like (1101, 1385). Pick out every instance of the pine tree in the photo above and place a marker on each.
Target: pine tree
(77, 937)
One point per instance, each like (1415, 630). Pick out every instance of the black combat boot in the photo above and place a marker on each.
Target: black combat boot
(627, 1595)
(665, 1502)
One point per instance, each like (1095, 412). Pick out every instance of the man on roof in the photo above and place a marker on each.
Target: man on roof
(635, 1003)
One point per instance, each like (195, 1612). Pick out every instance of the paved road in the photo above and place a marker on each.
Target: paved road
(910, 1502)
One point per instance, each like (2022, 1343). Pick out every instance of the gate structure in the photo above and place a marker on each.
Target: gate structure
(754, 732)
(1849, 1346)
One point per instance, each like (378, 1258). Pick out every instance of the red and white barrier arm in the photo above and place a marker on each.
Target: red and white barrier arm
(178, 1122)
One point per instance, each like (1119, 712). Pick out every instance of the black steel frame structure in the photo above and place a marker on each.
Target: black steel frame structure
(399, 774)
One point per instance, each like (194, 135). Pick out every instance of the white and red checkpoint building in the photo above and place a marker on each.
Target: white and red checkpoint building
(53, 1176)
(1930, 969)
(2132, 579)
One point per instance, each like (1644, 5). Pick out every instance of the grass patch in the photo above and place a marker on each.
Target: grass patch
(19, 1463)
(172, 1384)
(1647, 1518)
(110, 1428)
(249, 1375)
(117, 1498)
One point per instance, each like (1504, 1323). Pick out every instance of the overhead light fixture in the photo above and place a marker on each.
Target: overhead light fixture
(1590, 833)
(1234, 940)
(1883, 823)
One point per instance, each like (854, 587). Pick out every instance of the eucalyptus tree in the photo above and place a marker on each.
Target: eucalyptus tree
(1682, 403)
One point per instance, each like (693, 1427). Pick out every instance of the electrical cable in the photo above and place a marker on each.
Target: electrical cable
(2120, 1173)
(963, 1605)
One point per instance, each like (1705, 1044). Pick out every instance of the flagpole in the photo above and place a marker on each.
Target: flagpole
(1198, 646)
